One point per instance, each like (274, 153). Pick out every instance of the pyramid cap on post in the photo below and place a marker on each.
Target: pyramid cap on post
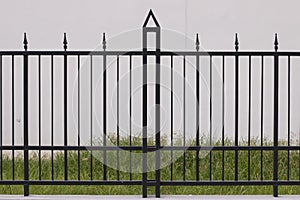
(151, 15)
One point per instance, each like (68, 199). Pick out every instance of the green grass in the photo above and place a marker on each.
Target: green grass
(178, 168)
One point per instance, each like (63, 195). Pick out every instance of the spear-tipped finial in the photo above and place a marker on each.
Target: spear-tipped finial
(104, 42)
(65, 42)
(276, 42)
(197, 42)
(236, 43)
(25, 42)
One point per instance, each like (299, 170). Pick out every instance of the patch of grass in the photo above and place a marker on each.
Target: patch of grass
(207, 171)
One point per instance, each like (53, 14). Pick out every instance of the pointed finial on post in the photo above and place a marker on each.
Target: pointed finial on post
(151, 15)
(65, 42)
(197, 42)
(104, 42)
(25, 42)
(276, 42)
(236, 42)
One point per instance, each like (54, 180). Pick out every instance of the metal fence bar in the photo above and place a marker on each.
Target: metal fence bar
(26, 104)
(52, 116)
(78, 116)
(118, 118)
(223, 116)
(13, 115)
(40, 116)
(262, 118)
(210, 113)
(249, 119)
(65, 110)
(91, 122)
(184, 115)
(172, 114)
(104, 108)
(197, 107)
(1, 118)
(236, 140)
(130, 116)
(197, 116)
(276, 125)
(289, 115)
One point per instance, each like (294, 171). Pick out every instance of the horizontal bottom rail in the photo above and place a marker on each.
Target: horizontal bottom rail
(65, 182)
(150, 183)
(228, 183)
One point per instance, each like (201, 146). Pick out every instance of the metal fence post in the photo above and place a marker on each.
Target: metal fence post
(275, 137)
(25, 79)
(157, 114)
(156, 30)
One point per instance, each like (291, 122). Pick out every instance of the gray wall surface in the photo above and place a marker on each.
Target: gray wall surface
(85, 21)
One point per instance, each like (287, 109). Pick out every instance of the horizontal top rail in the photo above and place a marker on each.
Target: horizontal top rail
(162, 53)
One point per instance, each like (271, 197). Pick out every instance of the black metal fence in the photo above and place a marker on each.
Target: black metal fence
(145, 148)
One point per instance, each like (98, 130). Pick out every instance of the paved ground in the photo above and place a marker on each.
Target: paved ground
(94, 197)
